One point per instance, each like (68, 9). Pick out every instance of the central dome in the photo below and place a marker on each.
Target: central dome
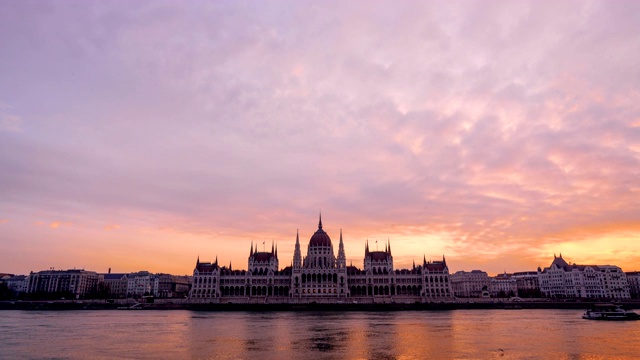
(320, 237)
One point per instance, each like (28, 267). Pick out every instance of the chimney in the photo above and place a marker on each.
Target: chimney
(109, 271)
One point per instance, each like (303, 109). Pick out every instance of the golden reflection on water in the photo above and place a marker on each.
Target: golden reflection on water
(460, 334)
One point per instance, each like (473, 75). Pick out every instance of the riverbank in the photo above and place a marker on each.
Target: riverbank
(165, 304)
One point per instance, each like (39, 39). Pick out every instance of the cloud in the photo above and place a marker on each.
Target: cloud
(495, 127)
(59, 224)
(9, 122)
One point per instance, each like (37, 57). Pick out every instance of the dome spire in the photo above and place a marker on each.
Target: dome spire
(320, 222)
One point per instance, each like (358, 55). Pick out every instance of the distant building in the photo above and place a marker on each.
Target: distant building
(470, 284)
(75, 282)
(142, 283)
(173, 286)
(115, 283)
(633, 278)
(503, 285)
(527, 283)
(17, 284)
(561, 280)
(320, 276)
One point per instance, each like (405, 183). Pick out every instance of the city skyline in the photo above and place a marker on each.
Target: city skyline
(139, 137)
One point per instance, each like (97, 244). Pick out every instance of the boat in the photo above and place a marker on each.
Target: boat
(611, 312)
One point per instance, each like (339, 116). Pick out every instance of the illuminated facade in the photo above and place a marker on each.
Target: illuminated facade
(470, 283)
(320, 276)
(561, 280)
(76, 282)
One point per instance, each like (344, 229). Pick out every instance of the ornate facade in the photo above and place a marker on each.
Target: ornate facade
(561, 280)
(320, 276)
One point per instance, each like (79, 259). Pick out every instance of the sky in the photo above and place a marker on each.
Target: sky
(141, 135)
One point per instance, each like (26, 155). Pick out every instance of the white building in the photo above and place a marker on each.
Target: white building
(470, 283)
(561, 280)
(17, 283)
(75, 282)
(633, 278)
(503, 285)
(142, 283)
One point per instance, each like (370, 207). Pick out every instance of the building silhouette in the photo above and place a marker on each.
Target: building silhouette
(320, 276)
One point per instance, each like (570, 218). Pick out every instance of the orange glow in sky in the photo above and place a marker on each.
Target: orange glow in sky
(493, 133)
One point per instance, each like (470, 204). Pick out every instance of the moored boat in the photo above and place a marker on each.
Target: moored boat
(610, 312)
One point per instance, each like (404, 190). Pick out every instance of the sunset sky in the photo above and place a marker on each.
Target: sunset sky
(140, 135)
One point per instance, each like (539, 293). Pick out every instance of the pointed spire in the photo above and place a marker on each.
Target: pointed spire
(424, 260)
(414, 263)
(389, 241)
(342, 258)
(216, 260)
(198, 261)
(251, 251)
(366, 248)
(272, 252)
(444, 261)
(230, 268)
(297, 257)
(320, 222)
(276, 254)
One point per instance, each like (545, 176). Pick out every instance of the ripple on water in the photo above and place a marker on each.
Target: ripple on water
(529, 334)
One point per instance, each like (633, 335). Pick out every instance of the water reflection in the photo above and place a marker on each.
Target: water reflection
(460, 334)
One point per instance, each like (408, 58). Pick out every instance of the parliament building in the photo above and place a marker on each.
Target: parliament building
(321, 277)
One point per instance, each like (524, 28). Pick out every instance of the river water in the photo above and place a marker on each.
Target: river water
(182, 334)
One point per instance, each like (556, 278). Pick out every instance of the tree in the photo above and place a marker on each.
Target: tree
(5, 292)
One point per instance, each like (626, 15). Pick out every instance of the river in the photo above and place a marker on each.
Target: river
(183, 334)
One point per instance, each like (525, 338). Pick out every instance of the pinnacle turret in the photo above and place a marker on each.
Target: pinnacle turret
(297, 256)
(342, 258)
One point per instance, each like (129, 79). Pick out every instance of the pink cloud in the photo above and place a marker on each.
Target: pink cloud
(497, 128)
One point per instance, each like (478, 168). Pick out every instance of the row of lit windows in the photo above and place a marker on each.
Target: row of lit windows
(317, 291)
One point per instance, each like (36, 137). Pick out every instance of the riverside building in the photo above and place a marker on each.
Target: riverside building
(503, 285)
(561, 280)
(470, 284)
(633, 277)
(320, 276)
(74, 282)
